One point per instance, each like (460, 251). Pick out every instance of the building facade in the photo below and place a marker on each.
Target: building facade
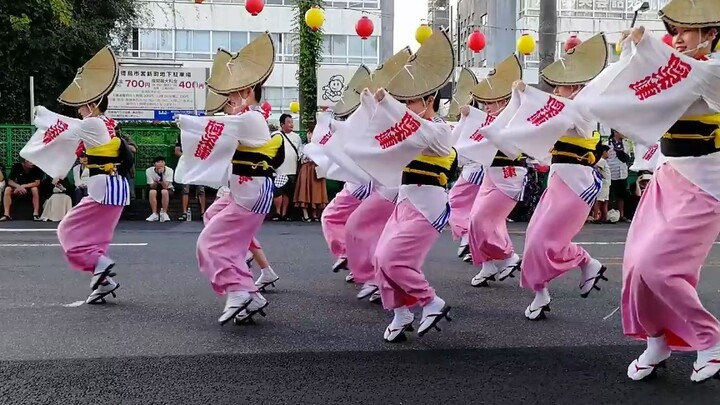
(504, 21)
(183, 34)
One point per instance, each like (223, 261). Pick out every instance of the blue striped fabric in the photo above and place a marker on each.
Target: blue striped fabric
(590, 193)
(442, 220)
(117, 191)
(476, 177)
(264, 201)
(362, 192)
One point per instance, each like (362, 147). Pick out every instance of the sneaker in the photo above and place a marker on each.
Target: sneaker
(153, 217)
(164, 217)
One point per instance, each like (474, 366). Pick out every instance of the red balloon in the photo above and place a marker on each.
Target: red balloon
(364, 27)
(266, 106)
(476, 41)
(254, 7)
(572, 42)
(668, 39)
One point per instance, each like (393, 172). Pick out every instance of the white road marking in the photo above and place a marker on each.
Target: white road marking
(57, 244)
(10, 230)
(74, 304)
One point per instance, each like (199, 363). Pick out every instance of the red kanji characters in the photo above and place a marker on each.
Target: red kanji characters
(54, 131)
(509, 171)
(398, 132)
(650, 152)
(488, 120)
(666, 77)
(552, 108)
(110, 125)
(213, 130)
(325, 138)
(244, 179)
(477, 136)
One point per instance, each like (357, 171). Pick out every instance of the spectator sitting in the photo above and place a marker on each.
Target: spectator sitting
(23, 181)
(2, 180)
(199, 190)
(81, 175)
(59, 204)
(159, 177)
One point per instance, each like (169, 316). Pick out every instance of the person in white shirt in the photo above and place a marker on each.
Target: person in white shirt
(600, 210)
(159, 177)
(81, 175)
(286, 173)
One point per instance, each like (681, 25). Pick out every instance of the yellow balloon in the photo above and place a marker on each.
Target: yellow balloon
(526, 44)
(717, 47)
(314, 18)
(422, 33)
(294, 107)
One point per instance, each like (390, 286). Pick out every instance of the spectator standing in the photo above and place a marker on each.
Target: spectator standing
(81, 175)
(600, 210)
(287, 172)
(311, 192)
(23, 181)
(199, 190)
(618, 160)
(160, 181)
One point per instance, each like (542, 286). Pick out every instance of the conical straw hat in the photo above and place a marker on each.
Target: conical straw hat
(350, 99)
(384, 73)
(214, 103)
(95, 80)
(461, 97)
(498, 83)
(249, 67)
(427, 71)
(580, 64)
(691, 13)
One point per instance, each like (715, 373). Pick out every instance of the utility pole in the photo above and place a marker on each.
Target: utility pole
(548, 36)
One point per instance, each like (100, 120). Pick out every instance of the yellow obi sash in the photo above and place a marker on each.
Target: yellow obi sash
(104, 159)
(575, 150)
(260, 161)
(692, 136)
(430, 170)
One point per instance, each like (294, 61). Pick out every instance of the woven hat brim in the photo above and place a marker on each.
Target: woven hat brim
(214, 102)
(580, 64)
(427, 71)
(94, 80)
(466, 81)
(350, 99)
(691, 13)
(220, 71)
(249, 67)
(384, 73)
(498, 84)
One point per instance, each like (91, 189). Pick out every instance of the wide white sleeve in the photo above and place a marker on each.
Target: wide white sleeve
(93, 132)
(441, 141)
(711, 93)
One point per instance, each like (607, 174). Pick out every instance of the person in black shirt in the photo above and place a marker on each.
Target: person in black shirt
(24, 180)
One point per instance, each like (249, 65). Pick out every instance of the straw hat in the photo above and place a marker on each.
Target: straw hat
(427, 71)
(498, 83)
(384, 73)
(466, 81)
(350, 99)
(580, 64)
(214, 103)
(95, 80)
(691, 13)
(249, 67)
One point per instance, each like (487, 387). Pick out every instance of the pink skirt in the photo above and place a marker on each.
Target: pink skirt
(400, 254)
(549, 251)
(363, 229)
(86, 232)
(489, 238)
(333, 219)
(223, 243)
(671, 235)
(462, 196)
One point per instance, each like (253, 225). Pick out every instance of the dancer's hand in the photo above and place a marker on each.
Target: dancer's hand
(465, 110)
(637, 34)
(519, 85)
(380, 95)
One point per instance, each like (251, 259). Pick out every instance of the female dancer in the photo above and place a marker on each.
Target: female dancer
(490, 243)
(463, 192)
(87, 230)
(678, 218)
(422, 210)
(366, 223)
(232, 222)
(572, 188)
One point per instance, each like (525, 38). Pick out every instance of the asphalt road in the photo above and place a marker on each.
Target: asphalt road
(159, 343)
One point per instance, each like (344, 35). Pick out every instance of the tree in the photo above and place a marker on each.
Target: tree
(309, 58)
(50, 40)
(548, 35)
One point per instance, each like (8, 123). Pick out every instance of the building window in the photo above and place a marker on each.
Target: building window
(483, 20)
(154, 44)
(350, 49)
(192, 44)
(280, 97)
